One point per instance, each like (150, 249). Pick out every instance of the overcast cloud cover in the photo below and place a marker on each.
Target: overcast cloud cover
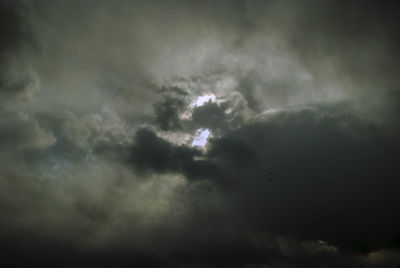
(199, 133)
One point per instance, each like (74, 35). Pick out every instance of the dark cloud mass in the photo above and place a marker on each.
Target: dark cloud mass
(167, 113)
(199, 133)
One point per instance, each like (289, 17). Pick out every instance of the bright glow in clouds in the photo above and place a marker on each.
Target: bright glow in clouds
(200, 139)
(201, 100)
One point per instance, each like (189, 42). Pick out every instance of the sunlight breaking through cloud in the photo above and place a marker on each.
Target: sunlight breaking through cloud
(201, 137)
(201, 100)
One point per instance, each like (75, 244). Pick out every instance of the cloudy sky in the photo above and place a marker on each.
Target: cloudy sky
(187, 133)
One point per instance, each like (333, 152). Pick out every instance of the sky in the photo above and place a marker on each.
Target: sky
(232, 133)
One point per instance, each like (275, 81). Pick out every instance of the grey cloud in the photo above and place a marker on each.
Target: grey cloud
(20, 130)
(347, 44)
(17, 86)
(96, 167)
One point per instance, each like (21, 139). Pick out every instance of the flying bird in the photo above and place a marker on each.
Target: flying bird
(270, 174)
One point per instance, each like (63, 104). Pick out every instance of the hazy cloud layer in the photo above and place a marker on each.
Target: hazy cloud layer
(199, 134)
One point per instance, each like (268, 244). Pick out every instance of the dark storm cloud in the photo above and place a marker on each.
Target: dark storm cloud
(310, 174)
(167, 113)
(167, 110)
(97, 116)
(150, 153)
(210, 115)
(14, 27)
(330, 170)
(17, 82)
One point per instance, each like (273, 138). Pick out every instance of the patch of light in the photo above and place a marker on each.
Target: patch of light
(228, 111)
(185, 115)
(264, 115)
(201, 100)
(176, 137)
(201, 137)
